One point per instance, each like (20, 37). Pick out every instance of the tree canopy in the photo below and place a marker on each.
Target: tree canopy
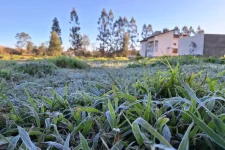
(55, 48)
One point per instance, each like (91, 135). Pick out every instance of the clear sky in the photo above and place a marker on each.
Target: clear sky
(35, 16)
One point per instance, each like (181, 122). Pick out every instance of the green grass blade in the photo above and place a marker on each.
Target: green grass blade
(220, 126)
(14, 141)
(6, 140)
(67, 143)
(137, 133)
(148, 108)
(95, 141)
(212, 135)
(88, 109)
(150, 129)
(115, 95)
(31, 101)
(184, 145)
(14, 111)
(83, 142)
(190, 91)
(26, 139)
(47, 100)
(111, 115)
(87, 126)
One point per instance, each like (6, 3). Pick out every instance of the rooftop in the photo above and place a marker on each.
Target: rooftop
(156, 35)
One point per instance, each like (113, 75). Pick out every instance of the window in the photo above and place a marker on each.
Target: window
(174, 44)
(175, 50)
(156, 45)
(150, 47)
(150, 44)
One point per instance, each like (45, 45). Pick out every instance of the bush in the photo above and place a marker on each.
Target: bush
(138, 56)
(40, 68)
(69, 62)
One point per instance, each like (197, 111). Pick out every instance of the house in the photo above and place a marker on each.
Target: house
(202, 44)
(160, 44)
(172, 43)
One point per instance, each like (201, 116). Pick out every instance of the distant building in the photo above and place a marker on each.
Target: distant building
(160, 44)
(202, 44)
(173, 43)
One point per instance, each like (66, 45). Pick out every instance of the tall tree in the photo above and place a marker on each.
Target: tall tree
(150, 30)
(200, 30)
(110, 20)
(126, 40)
(133, 33)
(85, 42)
(94, 46)
(55, 48)
(120, 27)
(56, 28)
(118, 30)
(144, 33)
(104, 33)
(185, 30)
(30, 47)
(75, 36)
(165, 30)
(177, 30)
(147, 31)
(125, 24)
(22, 39)
(191, 31)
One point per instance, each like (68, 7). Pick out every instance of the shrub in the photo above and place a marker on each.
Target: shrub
(40, 68)
(69, 62)
(138, 56)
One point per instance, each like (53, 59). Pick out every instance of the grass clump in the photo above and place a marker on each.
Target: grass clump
(39, 68)
(182, 60)
(69, 62)
(169, 109)
(7, 64)
(133, 65)
(5, 74)
(214, 60)
(121, 120)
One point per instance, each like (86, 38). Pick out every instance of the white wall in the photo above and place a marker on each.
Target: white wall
(150, 53)
(192, 45)
(165, 45)
(143, 48)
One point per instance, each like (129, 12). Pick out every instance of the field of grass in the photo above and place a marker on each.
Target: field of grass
(64, 103)
(30, 57)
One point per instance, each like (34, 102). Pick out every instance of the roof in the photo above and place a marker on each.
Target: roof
(155, 35)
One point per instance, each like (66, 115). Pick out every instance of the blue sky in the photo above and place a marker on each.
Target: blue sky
(35, 16)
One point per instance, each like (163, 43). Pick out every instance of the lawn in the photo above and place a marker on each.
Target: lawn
(64, 103)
